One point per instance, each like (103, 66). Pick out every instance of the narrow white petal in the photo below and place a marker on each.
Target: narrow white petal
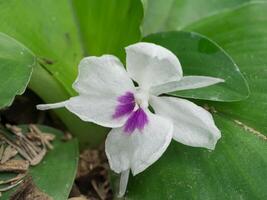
(95, 109)
(100, 82)
(193, 125)
(51, 106)
(123, 182)
(119, 150)
(103, 75)
(140, 149)
(186, 83)
(150, 64)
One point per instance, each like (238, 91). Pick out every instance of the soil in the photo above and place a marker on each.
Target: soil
(92, 182)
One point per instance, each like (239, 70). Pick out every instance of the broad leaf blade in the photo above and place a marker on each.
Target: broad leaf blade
(168, 15)
(107, 26)
(47, 28)
(246, 42)
(237, 167)
(234, 170)
(56, 173)
(200, 56)
(16, 65)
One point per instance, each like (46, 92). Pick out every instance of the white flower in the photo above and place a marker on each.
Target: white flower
(108, 97)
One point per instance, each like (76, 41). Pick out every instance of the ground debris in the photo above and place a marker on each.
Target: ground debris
(29, 191)
(13, 180)
(78, 198)
(32, 146)
(92, 178)
(251, 130)
(18, 166)
(9, 187)
(8, 153)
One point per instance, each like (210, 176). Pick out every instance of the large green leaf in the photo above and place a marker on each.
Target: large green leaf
(243, 33)
(237, 167)
(16, 64)
(48, 28)
(166, 15)
(107, 26)
(52, 29)
(56, 173)
(200, 56)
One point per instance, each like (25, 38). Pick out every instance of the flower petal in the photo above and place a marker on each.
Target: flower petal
(101, 82)
(186, 83)
(51, 105)
(193, 125)
(140, 149)
(95, 109)
(102, 76)
(123, 182)
(150, 64)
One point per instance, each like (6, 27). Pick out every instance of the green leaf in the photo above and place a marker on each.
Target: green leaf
(48, 28)
(16, 65)
(107, 26)
(246, 43)
(56, 173)
(200, 56)
(166, 15)
(237, 167)
(59, 33)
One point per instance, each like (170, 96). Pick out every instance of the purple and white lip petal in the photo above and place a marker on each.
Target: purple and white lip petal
(137, 119)
(126, 104)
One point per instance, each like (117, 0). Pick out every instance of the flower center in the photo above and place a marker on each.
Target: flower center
(133, 107)
(141, 98)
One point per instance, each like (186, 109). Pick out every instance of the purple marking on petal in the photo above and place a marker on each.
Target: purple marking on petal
(137, 120)
(127, 98)
(126, 105)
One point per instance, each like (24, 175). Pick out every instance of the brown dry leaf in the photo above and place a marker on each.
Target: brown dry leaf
(92, 177)
(44, 138)
(29, 191)
(78, 198)
(8, 153)
(32, 147)
(9, 187)
(19, 166)
(2, 149)
(38, 158)
(67, 136)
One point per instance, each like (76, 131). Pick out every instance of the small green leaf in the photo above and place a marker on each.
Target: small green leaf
(200, 56)
(16, 65)
(56, 173)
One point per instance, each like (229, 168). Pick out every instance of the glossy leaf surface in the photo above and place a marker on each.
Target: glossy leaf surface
(200, 56)
(237, 167)
(16, 65)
